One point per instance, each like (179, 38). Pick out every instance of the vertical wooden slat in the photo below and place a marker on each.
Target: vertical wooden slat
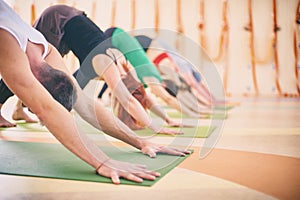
(223, 33)
(113, 14)
(224, 43)
(93, 12)
(156, 16)
(275, 29)
(201, 24)
(178, 23)
(133, 14)
(33, 13)
(296, 33)
(252, 51)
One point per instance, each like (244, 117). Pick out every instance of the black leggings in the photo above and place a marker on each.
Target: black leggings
(5, 92)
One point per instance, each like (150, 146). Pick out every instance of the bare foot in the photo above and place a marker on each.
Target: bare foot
(20, 114)
(5, 123)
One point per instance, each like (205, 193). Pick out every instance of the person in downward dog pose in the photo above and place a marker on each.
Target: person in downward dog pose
(163, 55)
(70, 29)
(177, 85)
(146, 70)
(25, 54)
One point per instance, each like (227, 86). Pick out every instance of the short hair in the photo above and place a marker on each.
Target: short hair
(58, 84)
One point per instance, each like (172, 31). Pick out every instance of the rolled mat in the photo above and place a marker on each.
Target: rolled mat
(55, 161)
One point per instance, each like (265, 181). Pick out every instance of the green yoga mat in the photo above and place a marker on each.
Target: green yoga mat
(190, 132)
(27, 127)
(55, 161)
(223, 107)
(193, 132)
(176, 114)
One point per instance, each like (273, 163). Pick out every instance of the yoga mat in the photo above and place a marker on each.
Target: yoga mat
(55, 161)
(189, 132)
(27, 127)
(223, 107)
(208, 116)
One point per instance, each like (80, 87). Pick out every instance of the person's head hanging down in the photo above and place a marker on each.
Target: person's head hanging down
(57, 83)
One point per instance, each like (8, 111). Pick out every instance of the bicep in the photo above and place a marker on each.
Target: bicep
(15, 71)
(107, 69)
(113, 79)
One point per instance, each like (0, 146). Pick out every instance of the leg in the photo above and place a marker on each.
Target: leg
(5, 93)
(3, 121)
(20, 114)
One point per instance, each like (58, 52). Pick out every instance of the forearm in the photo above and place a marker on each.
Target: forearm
(126, 99)
(131, 105)
(14, 63)
(72, 138)
(160, 92)
(117, 129)
(156, 108)
(51, 113)
(101, 118)
(93, 111)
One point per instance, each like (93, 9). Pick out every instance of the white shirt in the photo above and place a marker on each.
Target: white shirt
(11, 22)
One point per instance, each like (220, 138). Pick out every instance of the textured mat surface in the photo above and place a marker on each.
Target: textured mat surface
(55, 161)
(175, 114)
(190, 132)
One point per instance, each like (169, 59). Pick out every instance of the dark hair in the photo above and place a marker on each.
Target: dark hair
(58, 84)
(171, 87)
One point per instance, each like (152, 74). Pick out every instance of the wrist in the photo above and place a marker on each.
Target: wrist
(154, 127)
(167, 119)
(101, 164)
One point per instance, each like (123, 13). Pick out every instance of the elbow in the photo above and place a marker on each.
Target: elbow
(42, 111)
(168, 99)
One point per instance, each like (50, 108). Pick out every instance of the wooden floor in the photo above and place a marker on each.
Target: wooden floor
(255, 155)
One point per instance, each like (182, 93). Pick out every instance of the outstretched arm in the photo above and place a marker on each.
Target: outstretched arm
(97, 115)
(157, 89)
(171, 101)
(16, 72)
(112, 77)
(159, 111)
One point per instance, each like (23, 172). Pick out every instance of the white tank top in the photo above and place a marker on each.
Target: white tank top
(11, 22)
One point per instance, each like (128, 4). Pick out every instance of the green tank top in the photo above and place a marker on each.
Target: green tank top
(136, 55)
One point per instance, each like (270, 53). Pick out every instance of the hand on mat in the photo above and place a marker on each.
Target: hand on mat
(169, 131)
(174, 123)
(151, 150)
(134, 172)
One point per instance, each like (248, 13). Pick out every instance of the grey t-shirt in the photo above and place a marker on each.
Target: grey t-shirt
(53, 20)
